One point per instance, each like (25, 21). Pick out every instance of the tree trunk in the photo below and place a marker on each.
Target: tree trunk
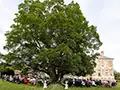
(53, 76)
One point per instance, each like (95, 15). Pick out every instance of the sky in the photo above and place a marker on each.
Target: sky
(105, 14)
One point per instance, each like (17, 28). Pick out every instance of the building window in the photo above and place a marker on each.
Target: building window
(99, 74)
(111, 74)
(102, 63)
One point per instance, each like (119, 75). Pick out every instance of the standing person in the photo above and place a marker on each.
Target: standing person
(25, 80)
(0, 75)
(11, 78)
(116, 82)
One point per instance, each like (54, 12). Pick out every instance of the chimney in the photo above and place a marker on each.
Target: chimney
(102, 53)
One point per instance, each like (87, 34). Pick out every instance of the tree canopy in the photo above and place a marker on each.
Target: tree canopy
(52, 37)
(117, 75)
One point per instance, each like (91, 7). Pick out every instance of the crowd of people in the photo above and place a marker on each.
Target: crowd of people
(19, 78)
(90, 82)
(33, 80)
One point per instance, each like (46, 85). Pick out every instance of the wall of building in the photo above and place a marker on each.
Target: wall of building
(104, 69)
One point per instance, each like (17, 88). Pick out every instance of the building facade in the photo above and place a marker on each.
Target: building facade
(104, 68)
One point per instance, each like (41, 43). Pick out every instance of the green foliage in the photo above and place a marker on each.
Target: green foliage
(52, 37)
(117, 75)
(6, 69)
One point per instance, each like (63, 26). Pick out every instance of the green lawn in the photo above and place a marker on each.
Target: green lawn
(11, 86)
(118, 85)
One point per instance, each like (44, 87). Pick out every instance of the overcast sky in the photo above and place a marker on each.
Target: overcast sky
(105, 14)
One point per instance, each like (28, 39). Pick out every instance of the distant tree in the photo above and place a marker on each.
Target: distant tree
(52, 37)
(117, 75)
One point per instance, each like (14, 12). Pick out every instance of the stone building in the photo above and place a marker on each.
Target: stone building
(104, 68)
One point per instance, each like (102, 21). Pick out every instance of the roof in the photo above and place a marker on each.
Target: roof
(104, 57)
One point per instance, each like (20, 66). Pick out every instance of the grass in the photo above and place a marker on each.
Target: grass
(12, 86)
(118, 84)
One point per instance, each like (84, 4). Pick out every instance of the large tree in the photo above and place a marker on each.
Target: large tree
(52, 37)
